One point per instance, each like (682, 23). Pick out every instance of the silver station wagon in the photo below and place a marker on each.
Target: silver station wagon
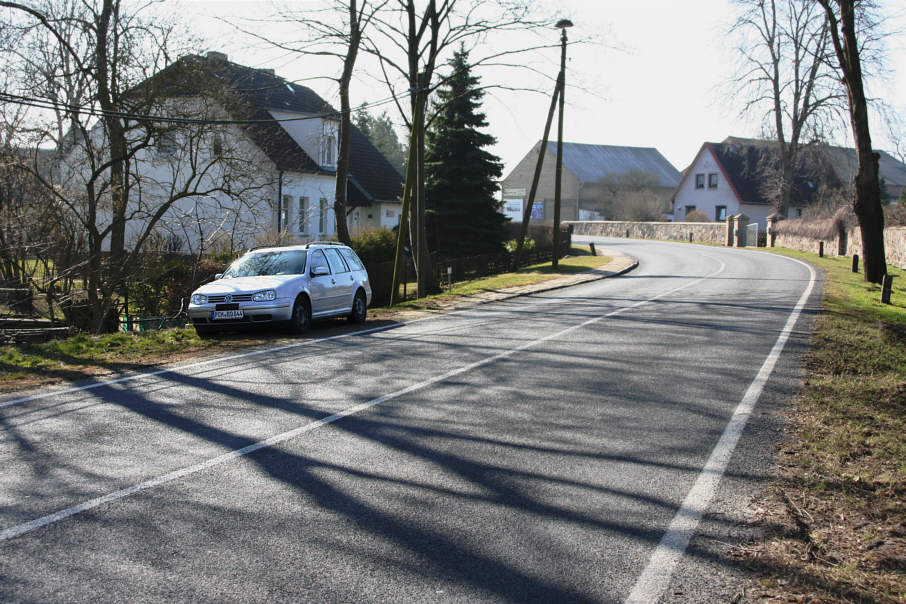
(288, 285)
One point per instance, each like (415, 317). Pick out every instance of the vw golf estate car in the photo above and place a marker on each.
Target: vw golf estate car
(288, 285)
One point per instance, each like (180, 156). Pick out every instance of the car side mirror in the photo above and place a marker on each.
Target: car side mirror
(218, 276)
(319, 271)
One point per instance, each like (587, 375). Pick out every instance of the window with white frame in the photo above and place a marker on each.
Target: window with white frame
(328, 144)
(284, 212)
(302, 215)
(699, 181)
(165, 145)
(712, 181)
(322, 215)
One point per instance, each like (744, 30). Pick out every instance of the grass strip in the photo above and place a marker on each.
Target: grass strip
(835, 518)
(85, 355)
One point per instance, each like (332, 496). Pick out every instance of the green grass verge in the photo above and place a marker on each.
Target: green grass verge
(71, 357)
(842, 488)
(109, 350)
(580, 260)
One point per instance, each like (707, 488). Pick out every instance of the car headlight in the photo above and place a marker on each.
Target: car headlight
(265, 296)
(199, 299)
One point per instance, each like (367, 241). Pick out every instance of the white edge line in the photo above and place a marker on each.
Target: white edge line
(20, 529)
(658, 573)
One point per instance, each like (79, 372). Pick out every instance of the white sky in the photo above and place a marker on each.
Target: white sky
(656, 76)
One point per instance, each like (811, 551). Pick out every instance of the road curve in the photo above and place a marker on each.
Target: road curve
(537, 449)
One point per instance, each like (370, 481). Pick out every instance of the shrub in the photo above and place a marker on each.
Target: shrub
(511, 244)
(697, 216)
(375, 245)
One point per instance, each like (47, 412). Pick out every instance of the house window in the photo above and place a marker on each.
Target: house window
(302, 216)
(699, 181)
(328, 143)
(217, 146)
(712, 181)
(283, 223)
(165, 145)
(689, 209)
(322, 215)
(720, 213)
(798, 212)
(390, 213)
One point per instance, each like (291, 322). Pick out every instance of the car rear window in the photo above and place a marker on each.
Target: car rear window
(351, 258)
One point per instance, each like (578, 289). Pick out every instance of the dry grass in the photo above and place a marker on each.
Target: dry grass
(837, 512)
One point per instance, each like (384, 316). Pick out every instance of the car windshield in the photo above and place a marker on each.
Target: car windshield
(291, 262)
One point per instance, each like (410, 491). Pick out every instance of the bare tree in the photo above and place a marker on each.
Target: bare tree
(786, 70)
(843, 18)
(333, 31)
(411, 40)
(129, 147)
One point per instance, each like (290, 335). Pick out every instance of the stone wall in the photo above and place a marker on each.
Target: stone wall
(894, 244)
(701, 232)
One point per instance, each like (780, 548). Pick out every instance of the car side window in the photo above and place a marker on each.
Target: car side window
(317, 259)
(353, 260)
(337, 264)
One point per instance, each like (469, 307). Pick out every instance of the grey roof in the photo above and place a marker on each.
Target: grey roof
(846, 163)
(253, 92)
(592, 163)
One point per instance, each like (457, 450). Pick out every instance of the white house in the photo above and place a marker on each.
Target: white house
(249, 153)
(741, 175)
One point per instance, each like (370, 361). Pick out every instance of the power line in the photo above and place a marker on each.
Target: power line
(51, 104)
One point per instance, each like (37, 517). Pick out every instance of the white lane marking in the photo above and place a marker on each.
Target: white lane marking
(20, 529)
(655, 579)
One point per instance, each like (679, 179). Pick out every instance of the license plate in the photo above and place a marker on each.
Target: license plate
(225, 314)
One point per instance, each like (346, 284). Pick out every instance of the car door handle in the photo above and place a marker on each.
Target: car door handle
(332, 281)
(351, 278)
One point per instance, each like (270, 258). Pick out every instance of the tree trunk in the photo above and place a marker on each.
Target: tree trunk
(342, 185)
(866, 185)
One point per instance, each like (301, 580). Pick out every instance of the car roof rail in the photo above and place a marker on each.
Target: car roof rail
(310, 243)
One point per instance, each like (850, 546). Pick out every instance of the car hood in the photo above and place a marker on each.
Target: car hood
(246, 284)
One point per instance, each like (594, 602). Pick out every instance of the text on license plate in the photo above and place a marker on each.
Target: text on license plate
(226, 314)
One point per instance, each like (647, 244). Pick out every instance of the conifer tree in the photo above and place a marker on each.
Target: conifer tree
(464, 215)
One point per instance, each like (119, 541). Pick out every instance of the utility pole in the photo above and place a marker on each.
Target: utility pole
(562, 24)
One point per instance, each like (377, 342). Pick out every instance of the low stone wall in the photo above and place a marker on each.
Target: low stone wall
(894, 244)
(804, 243)
(707, 232)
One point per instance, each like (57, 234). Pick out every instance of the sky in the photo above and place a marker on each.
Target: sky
(647, 73)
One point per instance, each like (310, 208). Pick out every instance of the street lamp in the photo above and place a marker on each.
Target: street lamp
(562, 25)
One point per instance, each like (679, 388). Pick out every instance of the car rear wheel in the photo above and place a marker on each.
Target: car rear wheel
(301, 319)
(359, 308)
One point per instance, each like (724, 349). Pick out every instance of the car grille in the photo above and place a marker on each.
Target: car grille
(234, 298)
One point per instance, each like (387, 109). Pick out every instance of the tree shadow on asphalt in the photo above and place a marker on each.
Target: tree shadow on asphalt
(390, 426)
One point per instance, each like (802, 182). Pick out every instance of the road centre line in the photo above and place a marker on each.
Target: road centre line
(26, 527)
(656, 577)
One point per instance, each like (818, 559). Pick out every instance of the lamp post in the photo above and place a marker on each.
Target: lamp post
(562, 24)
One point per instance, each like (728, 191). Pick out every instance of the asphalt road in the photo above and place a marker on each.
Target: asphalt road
(537, 449)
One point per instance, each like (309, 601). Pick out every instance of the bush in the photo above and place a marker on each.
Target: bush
(697, 216)
(511, 244)
(376, 245)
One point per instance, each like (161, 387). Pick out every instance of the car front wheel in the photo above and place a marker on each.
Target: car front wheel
(301, 319)
(359, 308)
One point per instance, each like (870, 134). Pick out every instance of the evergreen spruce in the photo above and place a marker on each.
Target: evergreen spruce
(379, 130)
(464, 215)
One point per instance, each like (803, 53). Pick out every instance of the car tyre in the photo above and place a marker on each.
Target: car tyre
(359, 308)
(301, 319)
